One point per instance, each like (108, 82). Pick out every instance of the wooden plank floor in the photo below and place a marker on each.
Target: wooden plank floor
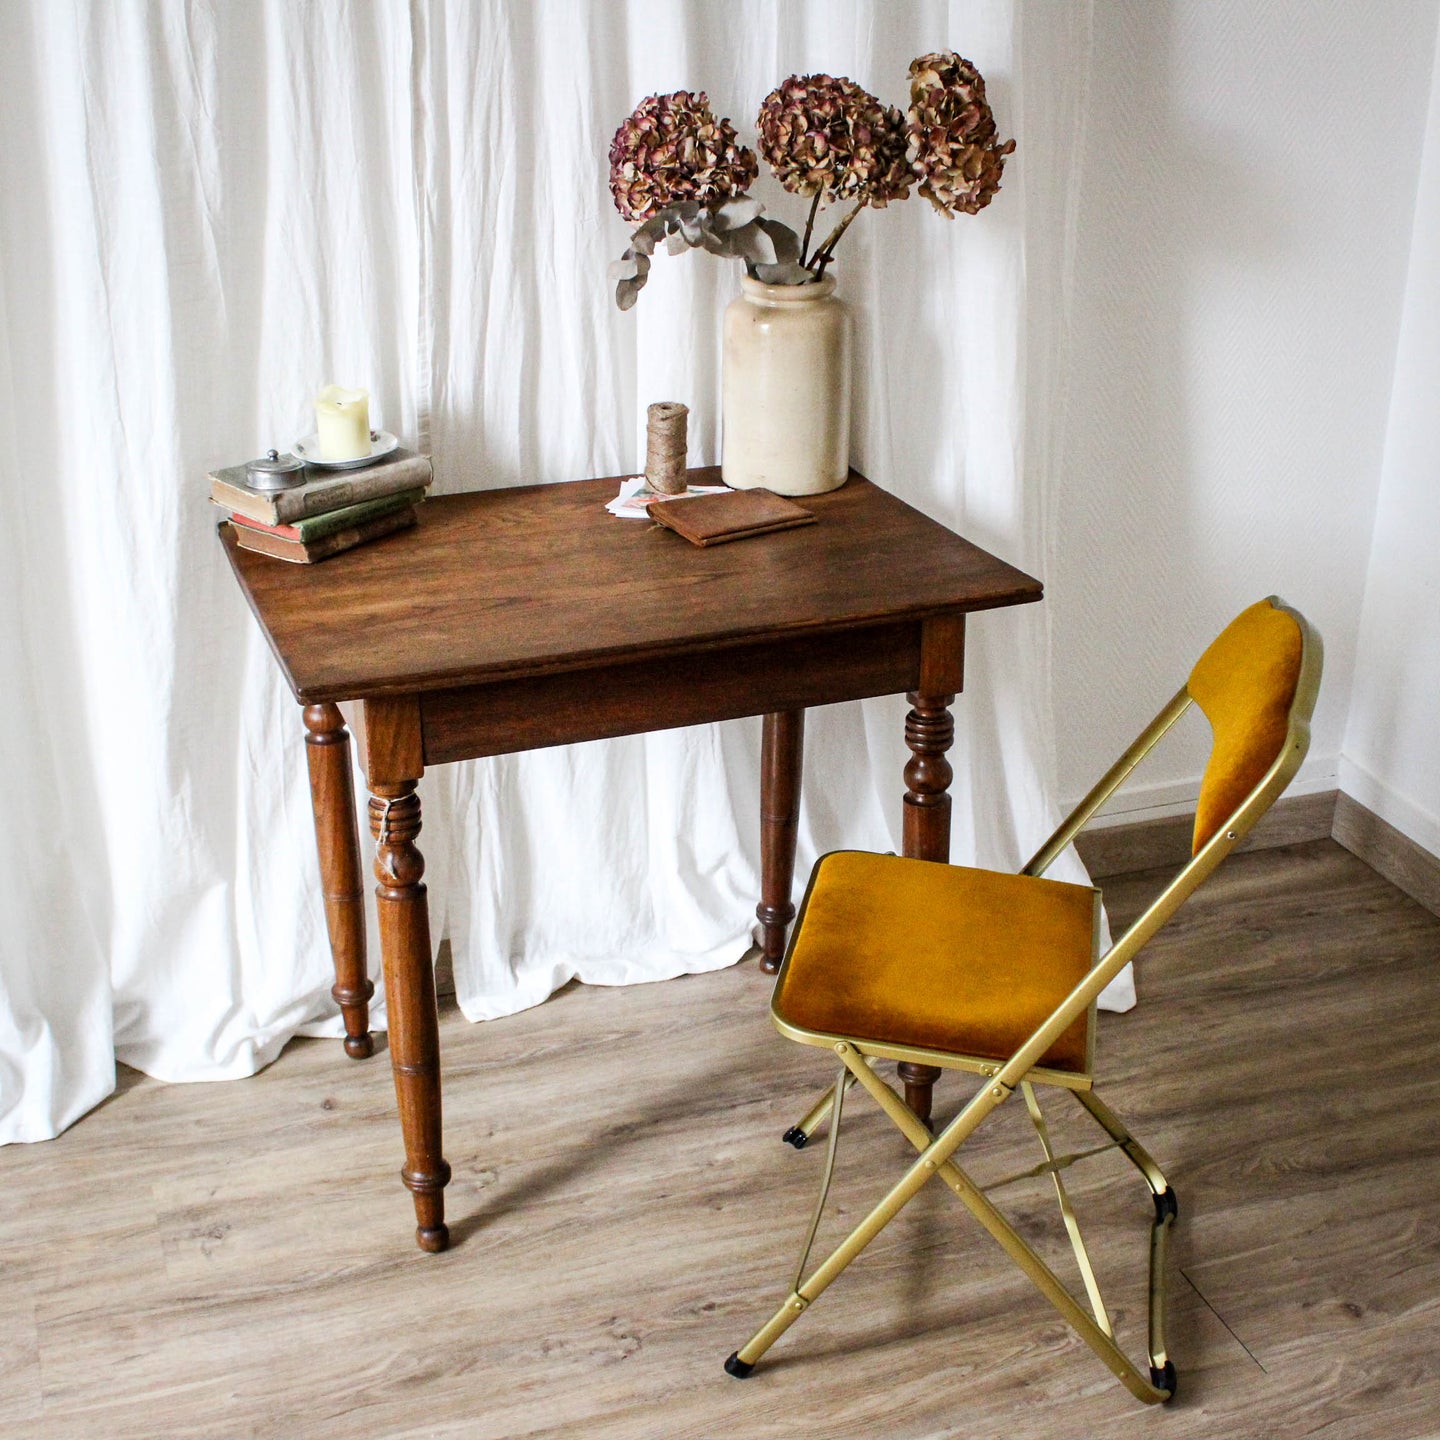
(235, 1260)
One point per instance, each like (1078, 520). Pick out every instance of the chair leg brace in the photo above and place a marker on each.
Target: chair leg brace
(1166, 1212)
(934, 1159)
(799, 1135)
(1067, 1214)
(843, 1081)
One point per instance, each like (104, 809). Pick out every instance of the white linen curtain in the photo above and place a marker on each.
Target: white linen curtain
(208, 211)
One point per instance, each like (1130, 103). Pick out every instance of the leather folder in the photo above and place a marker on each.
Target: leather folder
(734, 515)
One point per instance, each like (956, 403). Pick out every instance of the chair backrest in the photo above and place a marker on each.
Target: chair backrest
(1245, 683)
(1257, 684)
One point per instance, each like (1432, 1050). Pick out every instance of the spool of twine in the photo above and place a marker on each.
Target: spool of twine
(665, 446)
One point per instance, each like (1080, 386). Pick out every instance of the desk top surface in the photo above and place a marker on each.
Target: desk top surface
(494, 584)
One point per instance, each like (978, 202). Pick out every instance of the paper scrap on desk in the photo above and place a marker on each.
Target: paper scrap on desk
(635, 495)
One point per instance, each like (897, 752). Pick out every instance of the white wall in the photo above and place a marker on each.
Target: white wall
(1245, 232)
(1391, 762)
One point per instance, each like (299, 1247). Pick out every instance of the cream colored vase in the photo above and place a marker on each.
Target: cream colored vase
(786, 389)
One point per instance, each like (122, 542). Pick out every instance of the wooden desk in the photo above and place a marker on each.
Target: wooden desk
(512, 619)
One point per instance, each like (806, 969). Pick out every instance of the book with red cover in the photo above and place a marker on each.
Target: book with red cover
(301, 552)
(314, 527)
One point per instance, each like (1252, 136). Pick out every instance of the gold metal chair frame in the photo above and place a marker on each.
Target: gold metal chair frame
(1021, 1071)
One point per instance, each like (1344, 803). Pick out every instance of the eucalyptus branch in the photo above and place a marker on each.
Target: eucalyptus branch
(735, 228)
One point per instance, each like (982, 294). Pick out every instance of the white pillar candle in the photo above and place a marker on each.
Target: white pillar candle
(342, 422)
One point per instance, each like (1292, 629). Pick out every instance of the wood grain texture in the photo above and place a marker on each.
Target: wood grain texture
(929, 733)
(721, 683)
(21, 1385)
(419, 611)
(391, 743)
(925, 824)
(943, 656)
(182, 1262)
(404, 913)
(337, 839)
(782, 756)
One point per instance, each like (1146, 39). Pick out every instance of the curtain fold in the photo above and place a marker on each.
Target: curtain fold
(212, 210)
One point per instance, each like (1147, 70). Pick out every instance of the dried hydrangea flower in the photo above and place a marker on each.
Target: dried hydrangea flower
(952, 145)
(822, 135)
(673, 148)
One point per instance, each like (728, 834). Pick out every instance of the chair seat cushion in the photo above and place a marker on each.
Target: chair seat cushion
(944, 957)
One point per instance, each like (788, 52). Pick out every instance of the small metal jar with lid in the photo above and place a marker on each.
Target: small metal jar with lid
(275, 472)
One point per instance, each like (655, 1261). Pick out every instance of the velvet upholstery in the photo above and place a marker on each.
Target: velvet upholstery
(1245, 683)
(944, 957)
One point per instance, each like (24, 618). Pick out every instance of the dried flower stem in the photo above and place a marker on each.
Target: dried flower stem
(810, 225)
(826, 253)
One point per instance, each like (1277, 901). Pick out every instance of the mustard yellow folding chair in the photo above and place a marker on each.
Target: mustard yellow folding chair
(997, 974)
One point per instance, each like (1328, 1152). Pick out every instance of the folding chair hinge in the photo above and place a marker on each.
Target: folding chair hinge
(796, 1302)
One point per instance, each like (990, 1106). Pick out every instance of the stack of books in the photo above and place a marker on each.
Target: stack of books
(329, 513)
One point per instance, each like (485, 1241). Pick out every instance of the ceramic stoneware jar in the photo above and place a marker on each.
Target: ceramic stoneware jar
(786, 403)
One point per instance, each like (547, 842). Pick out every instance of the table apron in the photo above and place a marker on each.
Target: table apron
(691, 688)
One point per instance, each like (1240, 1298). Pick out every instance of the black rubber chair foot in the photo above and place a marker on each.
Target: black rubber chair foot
(795, 1136)
(737, 1367)
(1164, 1379)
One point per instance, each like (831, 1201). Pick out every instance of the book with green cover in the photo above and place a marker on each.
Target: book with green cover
(315, 527)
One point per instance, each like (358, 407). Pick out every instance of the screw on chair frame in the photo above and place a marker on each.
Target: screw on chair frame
(1022, 1070)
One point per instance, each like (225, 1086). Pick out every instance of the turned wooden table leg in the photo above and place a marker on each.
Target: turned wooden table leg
(332, 797)
(782, 750)
(410, 998)
(929, 732)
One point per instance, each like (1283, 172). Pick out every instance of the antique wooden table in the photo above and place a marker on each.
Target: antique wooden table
(516, 618)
